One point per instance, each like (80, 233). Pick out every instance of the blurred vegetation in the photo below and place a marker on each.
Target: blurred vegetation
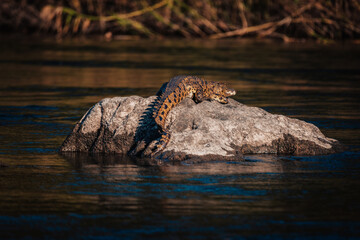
(284, 19)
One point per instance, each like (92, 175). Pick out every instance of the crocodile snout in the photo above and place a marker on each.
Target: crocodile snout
(230, 92)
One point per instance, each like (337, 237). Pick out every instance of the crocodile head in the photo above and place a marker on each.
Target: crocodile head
(221, 92)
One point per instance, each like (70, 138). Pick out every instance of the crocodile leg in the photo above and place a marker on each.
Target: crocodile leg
(220, 99)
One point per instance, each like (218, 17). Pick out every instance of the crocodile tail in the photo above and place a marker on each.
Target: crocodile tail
(163, 141)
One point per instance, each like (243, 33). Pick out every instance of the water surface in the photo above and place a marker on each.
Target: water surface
(46, 86)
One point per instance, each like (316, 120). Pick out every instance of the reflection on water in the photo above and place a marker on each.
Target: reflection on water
(46, 87)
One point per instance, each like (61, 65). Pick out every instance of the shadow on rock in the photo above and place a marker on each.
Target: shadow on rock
(146, 132)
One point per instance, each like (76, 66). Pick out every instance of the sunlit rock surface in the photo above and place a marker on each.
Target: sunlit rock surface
(208, 130)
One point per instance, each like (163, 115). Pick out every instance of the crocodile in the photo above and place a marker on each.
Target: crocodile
(178, 88)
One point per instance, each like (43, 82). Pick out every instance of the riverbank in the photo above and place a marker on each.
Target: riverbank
(285, 20)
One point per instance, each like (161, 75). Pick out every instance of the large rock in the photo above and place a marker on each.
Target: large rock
(207, 130)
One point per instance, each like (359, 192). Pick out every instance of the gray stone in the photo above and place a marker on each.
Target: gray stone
(208, 130)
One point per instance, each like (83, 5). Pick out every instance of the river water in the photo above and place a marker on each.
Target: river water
(46, 86)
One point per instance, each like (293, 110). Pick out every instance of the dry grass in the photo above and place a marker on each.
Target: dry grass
(287, 20)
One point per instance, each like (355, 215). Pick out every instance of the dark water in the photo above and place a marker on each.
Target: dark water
(46, 86)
